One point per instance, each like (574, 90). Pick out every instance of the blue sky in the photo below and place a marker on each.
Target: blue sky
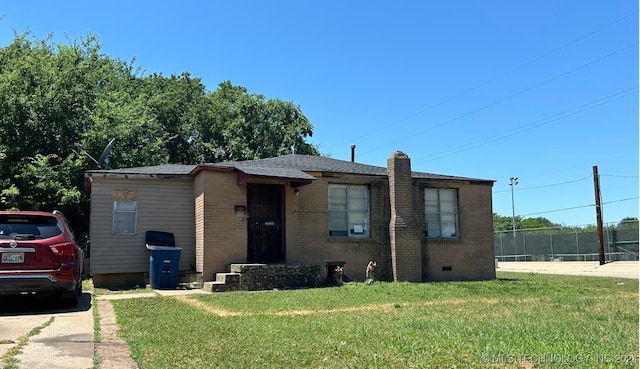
(540, 90)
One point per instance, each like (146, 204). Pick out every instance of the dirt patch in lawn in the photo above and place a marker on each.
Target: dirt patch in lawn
(387, 308)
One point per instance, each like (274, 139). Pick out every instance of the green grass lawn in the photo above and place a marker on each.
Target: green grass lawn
(517, 321)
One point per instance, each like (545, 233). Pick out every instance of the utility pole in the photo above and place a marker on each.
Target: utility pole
(596, 187)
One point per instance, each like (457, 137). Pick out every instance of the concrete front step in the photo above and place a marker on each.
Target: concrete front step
(224, 282)
(229, 278)
(214, 286)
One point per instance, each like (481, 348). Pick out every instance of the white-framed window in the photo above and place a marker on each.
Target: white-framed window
(348, 210)
(441, 212)
(125, 208)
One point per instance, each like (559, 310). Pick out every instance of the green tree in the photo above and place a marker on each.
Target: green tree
(628, 223)
(538, 222)
(47, 95)
(178, 104)
(55, 99)
(247, 126)
(504, 223)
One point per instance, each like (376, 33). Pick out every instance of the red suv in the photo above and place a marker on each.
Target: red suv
(39, 256)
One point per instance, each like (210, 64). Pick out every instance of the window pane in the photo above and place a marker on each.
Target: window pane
(448, 207)
(338, 221)
(357, 217)
(448, 229)
(124, 211)
(448, 225)
(337, 198)
(353, 220)
(357, 198)
(124, 205)
(337, 203)
(448, 201)
(433, 225)
(431, 196)
(358, 204)
(432, 208)
(441, 213)
(337, 191)
(357, 192)
(358, 223)
(447, 195)
(124, 222)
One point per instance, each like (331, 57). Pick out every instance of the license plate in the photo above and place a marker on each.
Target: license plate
(13, 257)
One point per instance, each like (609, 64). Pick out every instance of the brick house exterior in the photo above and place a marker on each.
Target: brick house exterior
(295, 209)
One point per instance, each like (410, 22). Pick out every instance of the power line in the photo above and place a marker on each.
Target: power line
(482, 84)
(563, 183)
(537, 123)
(627, 199)
(578, 207)
(506, 97)
(545, 186)
(617, 176)
(558, 210)
(564, 170)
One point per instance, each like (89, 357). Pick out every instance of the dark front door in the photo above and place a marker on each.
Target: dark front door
(266, 230)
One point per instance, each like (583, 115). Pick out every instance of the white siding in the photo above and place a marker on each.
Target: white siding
(163, 205)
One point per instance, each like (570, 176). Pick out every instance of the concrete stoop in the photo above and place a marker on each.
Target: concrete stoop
(256, 277)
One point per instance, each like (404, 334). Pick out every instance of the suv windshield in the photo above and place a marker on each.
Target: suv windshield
(28, 226)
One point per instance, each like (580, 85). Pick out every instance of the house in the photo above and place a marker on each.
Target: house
(293, 209)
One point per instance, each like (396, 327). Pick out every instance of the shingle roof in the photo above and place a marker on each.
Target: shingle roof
(289, 166)
(164, 169)
(312, 163)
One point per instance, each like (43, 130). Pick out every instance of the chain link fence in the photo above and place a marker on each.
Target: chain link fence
(567, 243)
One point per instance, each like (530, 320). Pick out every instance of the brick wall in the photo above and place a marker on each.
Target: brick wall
(199, 222)
(221, 230)
(471, 256)
(307, 227)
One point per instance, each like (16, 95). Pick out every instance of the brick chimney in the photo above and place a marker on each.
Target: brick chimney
(406, 255)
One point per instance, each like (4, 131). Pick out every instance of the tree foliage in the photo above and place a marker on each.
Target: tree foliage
(505, 223)
(58, 102)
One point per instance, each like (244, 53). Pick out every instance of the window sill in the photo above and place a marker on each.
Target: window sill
(349, 239)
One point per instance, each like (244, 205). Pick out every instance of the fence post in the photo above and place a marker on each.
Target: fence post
(524, 245)
(577, 245)
(608, 242)
(551, 243)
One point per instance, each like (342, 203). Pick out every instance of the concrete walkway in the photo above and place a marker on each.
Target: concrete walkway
(617, 269)
(112, 352)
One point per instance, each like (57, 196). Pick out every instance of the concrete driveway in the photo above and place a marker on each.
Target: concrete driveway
(616, 269)
(46, 336)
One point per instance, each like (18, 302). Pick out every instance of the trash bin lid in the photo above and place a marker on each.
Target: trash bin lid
(163, 248)
(159, 238)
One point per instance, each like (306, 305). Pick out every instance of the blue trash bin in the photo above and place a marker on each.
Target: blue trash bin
(163, 266)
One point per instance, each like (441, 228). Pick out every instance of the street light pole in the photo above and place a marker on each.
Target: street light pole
(512, 182)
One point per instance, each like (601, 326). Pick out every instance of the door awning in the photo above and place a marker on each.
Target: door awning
(247, 173)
